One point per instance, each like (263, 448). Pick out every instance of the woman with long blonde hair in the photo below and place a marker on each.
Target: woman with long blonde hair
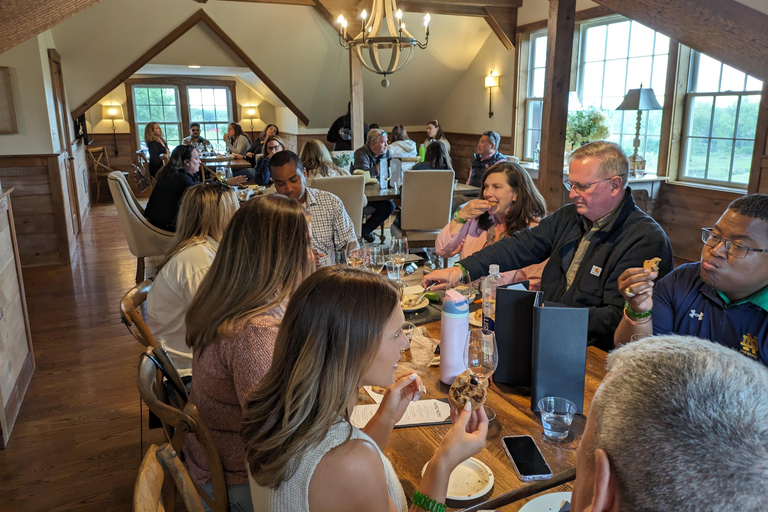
(342, 330)
(232, 324)
(317, 161)
(156, 145)
(204, 214)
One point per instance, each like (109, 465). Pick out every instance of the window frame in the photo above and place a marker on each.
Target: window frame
(139, 137)
(182, 83)
(690, 78)
(203, 123)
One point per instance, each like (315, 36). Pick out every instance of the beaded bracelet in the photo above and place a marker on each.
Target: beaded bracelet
(425, 502)
(459, 219)
(464, 271)
(634, 314)
(633, 322)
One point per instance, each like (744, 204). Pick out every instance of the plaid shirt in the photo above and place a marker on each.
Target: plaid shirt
(331, 226)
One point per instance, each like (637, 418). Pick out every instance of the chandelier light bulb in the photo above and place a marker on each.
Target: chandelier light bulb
(344, 23)
(364, 15)
(399, 14)
(340, 19)
(402, 26)
(426, 20)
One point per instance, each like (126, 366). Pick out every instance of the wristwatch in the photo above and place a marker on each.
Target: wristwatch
(458, 219)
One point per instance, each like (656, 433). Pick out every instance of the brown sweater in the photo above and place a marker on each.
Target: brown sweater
(223, 375)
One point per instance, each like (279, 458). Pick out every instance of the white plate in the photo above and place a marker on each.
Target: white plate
(476, 321)
(552, 502)
(424, 302)
(470, 480)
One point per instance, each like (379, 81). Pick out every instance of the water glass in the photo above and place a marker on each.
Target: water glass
(408, 331)
(376, 257)
(393, 271)
(556, 417)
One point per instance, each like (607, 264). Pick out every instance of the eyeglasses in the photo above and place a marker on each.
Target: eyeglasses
(270, 148)
(580, 188)
(734, 249)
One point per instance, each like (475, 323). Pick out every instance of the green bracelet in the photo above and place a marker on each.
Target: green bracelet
(458, 219)
(634, 314)
(427, 503)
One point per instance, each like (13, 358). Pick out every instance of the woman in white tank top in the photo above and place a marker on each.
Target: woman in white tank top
(342, 330)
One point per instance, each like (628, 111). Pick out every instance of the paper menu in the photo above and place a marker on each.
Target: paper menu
(423, 412)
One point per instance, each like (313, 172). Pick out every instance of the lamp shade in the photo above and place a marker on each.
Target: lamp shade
(112, 112)
(251, 112)
(640, 99)
(492, 81)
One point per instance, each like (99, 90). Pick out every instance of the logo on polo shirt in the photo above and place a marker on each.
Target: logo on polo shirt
(694, 314)
(749, 345)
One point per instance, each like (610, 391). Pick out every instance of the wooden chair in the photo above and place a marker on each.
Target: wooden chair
(425, 206)
(99, 160)
(156, 374)
(132, 317)
(157, 466)
(144, 180)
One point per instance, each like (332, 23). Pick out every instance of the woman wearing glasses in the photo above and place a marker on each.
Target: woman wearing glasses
(204, 214)
(261, 176)
(510, 202)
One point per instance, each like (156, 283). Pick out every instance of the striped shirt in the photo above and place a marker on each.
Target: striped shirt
(332, 228)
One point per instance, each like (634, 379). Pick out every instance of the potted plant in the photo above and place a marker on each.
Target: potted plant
(586, 126)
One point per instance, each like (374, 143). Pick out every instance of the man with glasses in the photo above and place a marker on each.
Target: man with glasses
(723, 297)
(368, 158)
(589, 243)
(195, 140)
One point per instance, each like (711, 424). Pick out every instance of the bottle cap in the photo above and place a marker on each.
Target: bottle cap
(494, 269)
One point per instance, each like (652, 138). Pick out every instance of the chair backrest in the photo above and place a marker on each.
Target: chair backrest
(159, 464)
(141, 157)
(132, 317)
(99, 159)
(351, 191)
(512, 159)
(155, 377)
(426, 200)
(141, 178)
(144, 239)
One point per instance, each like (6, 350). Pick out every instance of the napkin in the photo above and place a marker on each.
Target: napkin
(367, 174)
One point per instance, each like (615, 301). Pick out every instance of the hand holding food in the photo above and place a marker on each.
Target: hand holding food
(467, 389)
(636, 285)
(475, 208)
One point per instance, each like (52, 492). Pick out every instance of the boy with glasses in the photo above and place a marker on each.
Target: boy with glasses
(723, 297)
(589, 243)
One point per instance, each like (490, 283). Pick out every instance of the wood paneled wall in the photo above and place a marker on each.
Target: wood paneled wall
(682, 210)
(41, 204)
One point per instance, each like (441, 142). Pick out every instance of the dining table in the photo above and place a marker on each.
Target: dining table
(409, 448)
(211, 161)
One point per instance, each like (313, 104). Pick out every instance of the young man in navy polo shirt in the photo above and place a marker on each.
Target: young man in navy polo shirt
(723, 298)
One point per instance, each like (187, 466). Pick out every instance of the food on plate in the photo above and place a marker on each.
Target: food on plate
(477, 316)
(409, 301)
(652, 264)
(466, 388)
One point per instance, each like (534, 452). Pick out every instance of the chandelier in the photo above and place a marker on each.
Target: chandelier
(384, 49)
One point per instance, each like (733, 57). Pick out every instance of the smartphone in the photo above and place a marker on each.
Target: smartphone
(526, 458)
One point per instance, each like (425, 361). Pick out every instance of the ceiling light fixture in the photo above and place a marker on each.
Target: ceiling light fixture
(373, 37)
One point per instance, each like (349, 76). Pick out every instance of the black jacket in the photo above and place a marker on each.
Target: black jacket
(633, 238)
(340, 133)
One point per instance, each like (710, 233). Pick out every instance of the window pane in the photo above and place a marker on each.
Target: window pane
(701, 107)
(156, 113)
(659, 79)
(639, 72)
(140, 96)
(748, 117)
(725, 116)
(170, 113)
(652, 150)
(593, 79)
(696, 158)
(195, 97)
(535, 114)
(641, 41)
(540, 52)
(209, 115)
(732, 80)
(222, 114)
(708, 75)
(719, 159)
(155, 96)
(617, 121)
(662, 44)
(207, 96)
(538, 83)
(742, 160)
(169, 96)
(654, 120)
(615, 73)
(618, 40)
(142, 114)
(753, 84)
(172, 133)
(595, 44)
(220, 96)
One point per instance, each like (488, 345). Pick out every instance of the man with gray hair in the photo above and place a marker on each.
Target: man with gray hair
(368, 158)
(487, 155)
(678, 424)
(589, 243)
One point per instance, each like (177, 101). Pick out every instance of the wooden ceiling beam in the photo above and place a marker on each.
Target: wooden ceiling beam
(723, 29)
(503, 22)
(442, 8)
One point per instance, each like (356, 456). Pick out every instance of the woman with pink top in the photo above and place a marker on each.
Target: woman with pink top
(510, 202)
(232, 325)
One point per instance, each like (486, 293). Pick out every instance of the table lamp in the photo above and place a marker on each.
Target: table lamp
(638, 99)
(250, 113)
(112, 112)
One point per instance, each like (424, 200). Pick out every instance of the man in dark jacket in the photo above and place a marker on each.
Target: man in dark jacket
(340, 132)
(589, 243)
(368, 158)
(487, 155)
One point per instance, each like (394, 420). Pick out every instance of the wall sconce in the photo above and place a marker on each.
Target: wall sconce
(491, 81)
(250, 113)
(112, 112)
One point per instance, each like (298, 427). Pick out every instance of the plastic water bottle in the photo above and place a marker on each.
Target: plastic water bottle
(422, 152)
(454, 325)
(383, 174)
(489, 297)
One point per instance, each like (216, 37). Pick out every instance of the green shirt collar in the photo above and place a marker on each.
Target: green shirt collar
(759, 299)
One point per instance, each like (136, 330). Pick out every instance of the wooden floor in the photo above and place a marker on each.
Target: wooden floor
(75, 445)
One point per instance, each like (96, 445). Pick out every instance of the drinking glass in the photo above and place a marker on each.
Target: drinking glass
(398, 252)
(376, 257)
(465, 287)
(355, 254)
(408, 331)
(556, 416)
(481, 355)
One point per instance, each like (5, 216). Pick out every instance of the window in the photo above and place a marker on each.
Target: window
(721, 119)
(614, 57)
(210, 106)
(161, 105)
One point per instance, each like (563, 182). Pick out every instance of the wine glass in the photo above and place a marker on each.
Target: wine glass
(481, 355)
(355, 254)
(466, 287)
(376, 258)
(398, 252)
